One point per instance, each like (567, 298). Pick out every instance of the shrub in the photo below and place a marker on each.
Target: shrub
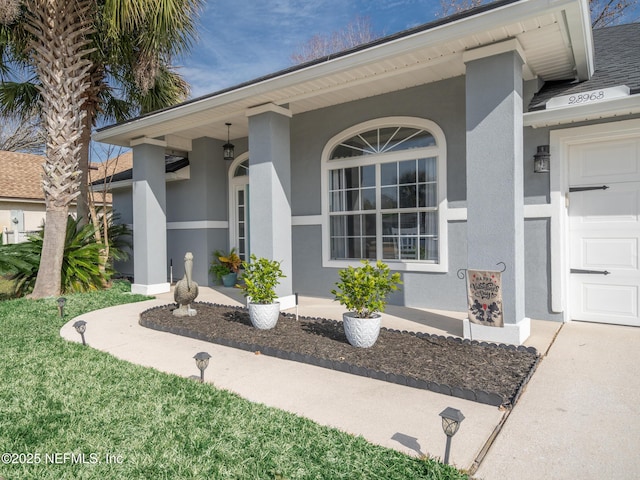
(261, 276)
(364, 290)
(83, 268)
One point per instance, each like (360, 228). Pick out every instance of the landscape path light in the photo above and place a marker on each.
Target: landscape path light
(81, 327)
(61, 302)
(451, 419)
(202, 362)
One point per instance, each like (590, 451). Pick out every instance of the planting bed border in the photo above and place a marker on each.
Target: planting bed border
(479, 396)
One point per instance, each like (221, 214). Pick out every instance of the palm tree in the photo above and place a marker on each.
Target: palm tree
(82, 54)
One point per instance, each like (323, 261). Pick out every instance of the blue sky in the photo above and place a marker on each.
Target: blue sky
(242, 40)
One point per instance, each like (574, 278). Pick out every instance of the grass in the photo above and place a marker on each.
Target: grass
(59, 397)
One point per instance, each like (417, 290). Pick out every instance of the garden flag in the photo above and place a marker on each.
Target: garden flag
(485, 297)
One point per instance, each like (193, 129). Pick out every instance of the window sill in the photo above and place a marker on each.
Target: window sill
(395, 265)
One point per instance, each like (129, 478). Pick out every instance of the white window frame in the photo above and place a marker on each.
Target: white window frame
(439, 151)
(234, 183)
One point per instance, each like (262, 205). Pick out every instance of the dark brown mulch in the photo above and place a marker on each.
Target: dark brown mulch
(445, 364)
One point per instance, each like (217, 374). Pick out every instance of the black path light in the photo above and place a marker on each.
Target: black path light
(61, 302)
(451, 419)
(81, 327)
(202, 362)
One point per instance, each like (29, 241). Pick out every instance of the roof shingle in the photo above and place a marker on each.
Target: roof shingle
(617, 62)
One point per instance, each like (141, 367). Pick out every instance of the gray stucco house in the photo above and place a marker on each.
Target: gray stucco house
(417, 149)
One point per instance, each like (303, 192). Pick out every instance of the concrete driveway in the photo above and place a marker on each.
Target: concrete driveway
(580, 414)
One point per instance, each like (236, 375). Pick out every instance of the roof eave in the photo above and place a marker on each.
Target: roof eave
(487, 18)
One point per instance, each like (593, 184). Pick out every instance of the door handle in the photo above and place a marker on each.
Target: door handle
(590, 272)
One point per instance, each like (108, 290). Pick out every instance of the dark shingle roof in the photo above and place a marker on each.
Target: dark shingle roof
(173, 163)
(617, 62)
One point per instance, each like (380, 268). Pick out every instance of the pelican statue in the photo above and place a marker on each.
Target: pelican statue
(186, 290)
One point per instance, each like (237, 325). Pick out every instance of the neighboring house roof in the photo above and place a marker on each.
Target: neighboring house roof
(21, 174)
(554, 37)
(111, 169)
(617, 62)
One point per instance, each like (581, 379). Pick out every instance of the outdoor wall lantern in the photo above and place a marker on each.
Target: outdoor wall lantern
(61, 302)
(228, 147)
(541, 159)
(202, 362)
(81, 327)
(451, 419)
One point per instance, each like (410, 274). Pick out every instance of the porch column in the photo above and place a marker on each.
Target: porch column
(149, 218)
(495, 217)
(270, 188)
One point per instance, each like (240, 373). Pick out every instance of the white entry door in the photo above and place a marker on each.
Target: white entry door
(605, 231)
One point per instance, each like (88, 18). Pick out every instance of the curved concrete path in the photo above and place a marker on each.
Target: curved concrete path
(578, 418)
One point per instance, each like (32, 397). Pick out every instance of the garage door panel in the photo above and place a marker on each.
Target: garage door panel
(619, 203)
(606, 303)
(608, 254)
(612, 161)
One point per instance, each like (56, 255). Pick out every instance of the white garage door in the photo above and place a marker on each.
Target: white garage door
(605, 231)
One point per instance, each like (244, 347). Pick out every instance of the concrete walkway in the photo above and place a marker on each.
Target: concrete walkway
(400, 417)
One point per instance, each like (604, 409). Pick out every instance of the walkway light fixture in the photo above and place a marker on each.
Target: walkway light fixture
(228, 148)
(81, 327)
(542, 159)
(202, 362)
(451, 419)
(61, 302)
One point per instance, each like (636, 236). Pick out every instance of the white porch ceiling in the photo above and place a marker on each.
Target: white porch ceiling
(555, 49)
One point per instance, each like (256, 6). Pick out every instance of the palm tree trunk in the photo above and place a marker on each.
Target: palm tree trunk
(48, 281)
(58, 46)
(82, 206)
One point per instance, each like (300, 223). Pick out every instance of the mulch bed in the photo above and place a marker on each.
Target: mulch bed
(478, 371)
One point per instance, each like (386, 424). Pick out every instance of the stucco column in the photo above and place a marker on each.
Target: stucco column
(149, 218)
(270, 188)
(495, 217)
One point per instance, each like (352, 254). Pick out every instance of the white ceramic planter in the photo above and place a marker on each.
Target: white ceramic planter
(361, 332)
(264, 316)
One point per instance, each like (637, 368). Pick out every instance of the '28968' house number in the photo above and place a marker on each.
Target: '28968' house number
(588, 97)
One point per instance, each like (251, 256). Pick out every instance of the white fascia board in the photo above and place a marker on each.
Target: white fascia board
(447, 32)
(580, 113)
(578, 23)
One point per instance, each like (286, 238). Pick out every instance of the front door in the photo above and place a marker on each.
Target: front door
(604, 213)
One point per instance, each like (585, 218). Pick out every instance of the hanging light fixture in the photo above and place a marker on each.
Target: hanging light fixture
(228, 147)
(541, 159)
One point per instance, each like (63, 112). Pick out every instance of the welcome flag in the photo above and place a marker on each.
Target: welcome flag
(485, 297)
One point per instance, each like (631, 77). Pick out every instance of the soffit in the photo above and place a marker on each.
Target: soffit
(421, 58)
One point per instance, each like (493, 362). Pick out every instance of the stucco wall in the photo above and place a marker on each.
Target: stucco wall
(443, 103)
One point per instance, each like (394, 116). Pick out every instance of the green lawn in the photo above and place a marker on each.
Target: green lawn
(131, 422)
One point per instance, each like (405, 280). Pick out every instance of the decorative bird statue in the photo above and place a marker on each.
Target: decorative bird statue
(186, 290)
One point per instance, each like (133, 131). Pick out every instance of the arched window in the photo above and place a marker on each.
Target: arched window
(384, 189)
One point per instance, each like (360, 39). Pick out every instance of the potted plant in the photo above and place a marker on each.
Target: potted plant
(261, 276)
(225, 266)
(364, 292)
